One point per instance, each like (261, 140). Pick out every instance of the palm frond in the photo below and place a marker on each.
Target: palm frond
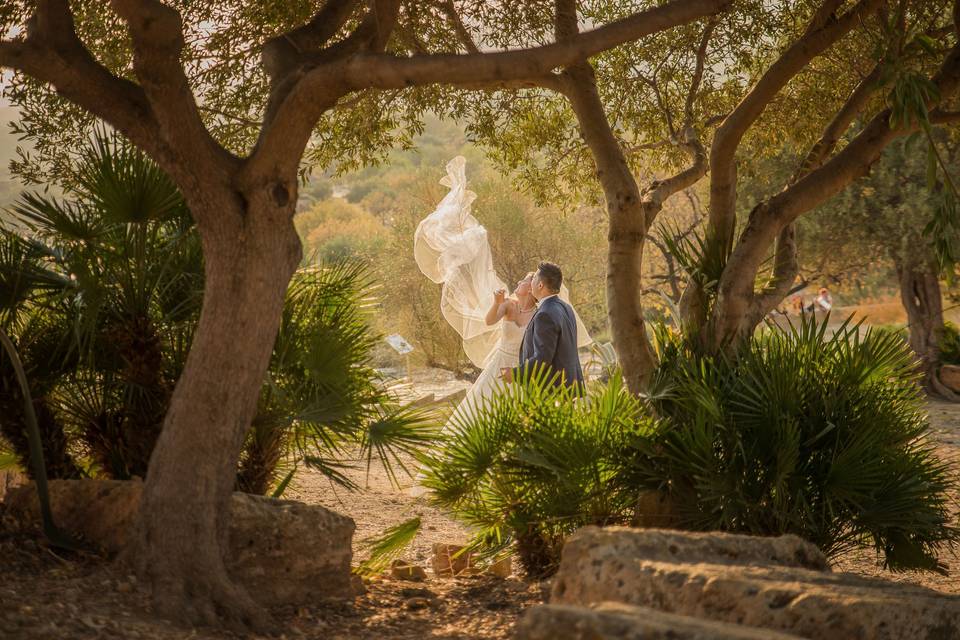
(387, 546)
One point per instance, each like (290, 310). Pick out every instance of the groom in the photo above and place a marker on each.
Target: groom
(551, 336)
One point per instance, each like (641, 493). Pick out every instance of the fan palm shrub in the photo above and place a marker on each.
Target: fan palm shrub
(821, 435)
(534, 462)
(101, 292)
(805, 432)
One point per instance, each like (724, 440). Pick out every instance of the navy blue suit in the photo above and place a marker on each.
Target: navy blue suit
(551, 339)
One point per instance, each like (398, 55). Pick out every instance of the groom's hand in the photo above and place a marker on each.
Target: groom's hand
(506, 374)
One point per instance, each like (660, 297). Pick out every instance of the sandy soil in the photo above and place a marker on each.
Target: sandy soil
(44, 595)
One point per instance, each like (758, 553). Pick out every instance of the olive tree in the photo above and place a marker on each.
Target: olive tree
(698, 100)
(226, 98)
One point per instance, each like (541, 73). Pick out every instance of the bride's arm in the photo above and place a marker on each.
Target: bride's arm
(498, 309)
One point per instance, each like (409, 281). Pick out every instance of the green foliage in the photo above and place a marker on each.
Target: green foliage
(819, 435)
(335, 230)
(102, 293)
(533, 463)
(387, 546)
(950, 344)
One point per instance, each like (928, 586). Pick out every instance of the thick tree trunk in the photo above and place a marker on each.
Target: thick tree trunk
(250, 253)
(626, 235)
(920, 294)
(628, 217)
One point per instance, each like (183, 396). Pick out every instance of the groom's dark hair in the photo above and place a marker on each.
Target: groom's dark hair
(550, 275)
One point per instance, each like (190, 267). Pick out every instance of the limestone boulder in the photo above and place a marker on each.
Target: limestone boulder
(285, 552)
(616, 621)
(780, 583)
(452, 560)
(950, 376)
(10, 479)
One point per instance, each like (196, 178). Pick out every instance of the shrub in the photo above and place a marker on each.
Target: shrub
(533, 463)
(823, 436)
(950, 344)
(101, 293)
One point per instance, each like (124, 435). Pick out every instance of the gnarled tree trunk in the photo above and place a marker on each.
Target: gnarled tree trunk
(920, 294)
(250, 254)
(627, 227)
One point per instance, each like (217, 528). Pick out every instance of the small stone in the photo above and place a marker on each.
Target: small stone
(451, 560)
(416, 604)
(357, 584)
(402, 570)
(502, 568)
(124, 587)
(950, 376)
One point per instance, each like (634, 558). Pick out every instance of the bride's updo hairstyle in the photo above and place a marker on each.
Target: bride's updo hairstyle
(550, 276)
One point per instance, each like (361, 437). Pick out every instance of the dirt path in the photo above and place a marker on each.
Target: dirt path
(382, 504)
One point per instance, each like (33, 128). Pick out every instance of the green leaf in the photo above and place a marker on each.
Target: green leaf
(387, 546)
(278, 491)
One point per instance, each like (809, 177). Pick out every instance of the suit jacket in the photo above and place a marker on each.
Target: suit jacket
(551, 339)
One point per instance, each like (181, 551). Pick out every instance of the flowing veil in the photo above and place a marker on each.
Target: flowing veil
(451, 248)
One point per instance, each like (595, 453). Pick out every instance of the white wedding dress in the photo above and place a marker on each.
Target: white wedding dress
(451, 248)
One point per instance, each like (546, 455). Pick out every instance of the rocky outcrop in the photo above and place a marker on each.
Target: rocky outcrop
(615, 621)
(10, 479)
(285, 552)
(780, 584)
(950, 376)
(452, 560)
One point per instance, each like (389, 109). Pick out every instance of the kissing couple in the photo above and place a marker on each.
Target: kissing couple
(549, 339)
(507, 337)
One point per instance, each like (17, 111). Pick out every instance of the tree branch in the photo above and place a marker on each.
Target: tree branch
(459, 28)
(786, 266)
(823, 31)
(661, 104)
(157, 34)
(841, 121)
(662, 189)
(53, 54)
(383, 71)
(701, 56)
(297, 101)
(770, 217)
(282, 52)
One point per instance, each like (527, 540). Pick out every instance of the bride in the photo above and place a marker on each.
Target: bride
(451, 248)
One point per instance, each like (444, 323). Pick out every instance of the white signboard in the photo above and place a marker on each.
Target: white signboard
(399, 344)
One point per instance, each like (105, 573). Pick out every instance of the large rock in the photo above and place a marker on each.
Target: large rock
(950, 376)
(615, 621)
(285, 552)
(776, 583)
(10, 479)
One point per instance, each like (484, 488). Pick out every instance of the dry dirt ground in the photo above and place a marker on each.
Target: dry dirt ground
(44, 595)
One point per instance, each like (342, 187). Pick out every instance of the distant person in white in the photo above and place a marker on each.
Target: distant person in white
(823, 301)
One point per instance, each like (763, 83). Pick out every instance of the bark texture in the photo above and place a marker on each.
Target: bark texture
(920, 295)
(249, 259)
